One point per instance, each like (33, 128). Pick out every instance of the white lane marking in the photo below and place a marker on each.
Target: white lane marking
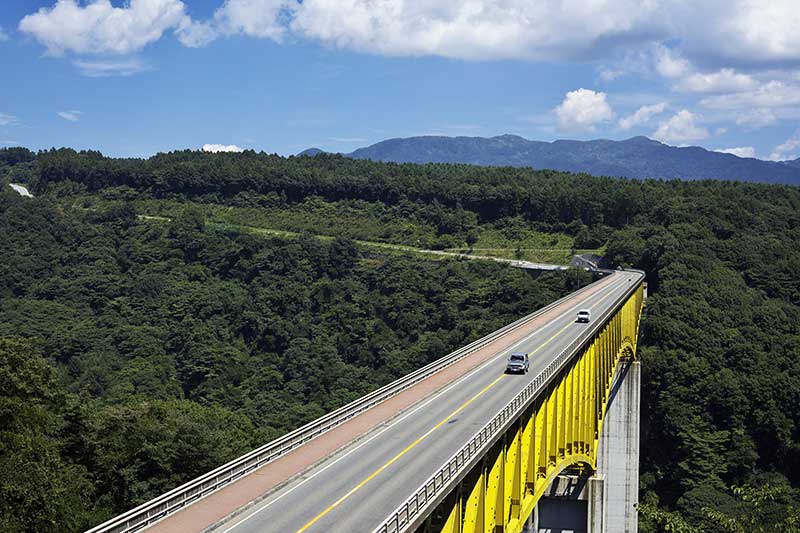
(436, 396)
(466, 376)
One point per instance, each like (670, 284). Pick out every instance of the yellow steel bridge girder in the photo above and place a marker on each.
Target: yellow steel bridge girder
(560, 429)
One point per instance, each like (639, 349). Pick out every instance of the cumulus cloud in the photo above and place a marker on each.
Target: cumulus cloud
(479, 29)
(100, 28)
(725, 80)
(766, 30)
(7, 120)
(682, 127)
(642, 115)
(111, 67)
(583, 109)
(787, 150)
(72, 116)
(741, 151)
(221, 148)
(669, 64)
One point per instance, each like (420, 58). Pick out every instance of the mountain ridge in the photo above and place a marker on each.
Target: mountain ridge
(638, 157)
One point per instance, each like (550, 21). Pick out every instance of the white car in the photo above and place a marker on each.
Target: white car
(584, 315)
(517, 363)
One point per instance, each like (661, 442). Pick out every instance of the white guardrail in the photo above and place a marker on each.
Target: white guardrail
(411, 512)
(178, 498)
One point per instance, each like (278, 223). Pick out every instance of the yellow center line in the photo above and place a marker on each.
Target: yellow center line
(398, 456)
(548, 341)
(427, 433)
(601, 299)
(559, 332)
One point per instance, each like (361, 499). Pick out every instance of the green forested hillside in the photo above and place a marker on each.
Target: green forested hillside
(94, 289)
(136, 355)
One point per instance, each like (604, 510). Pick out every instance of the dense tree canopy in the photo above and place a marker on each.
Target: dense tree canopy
(145, 327)
(136, 355)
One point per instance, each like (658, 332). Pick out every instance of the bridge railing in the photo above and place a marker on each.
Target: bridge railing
(430, 493)
(174, 500)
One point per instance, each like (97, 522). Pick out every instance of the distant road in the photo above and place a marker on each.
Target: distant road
(21, 189)
(529, 265)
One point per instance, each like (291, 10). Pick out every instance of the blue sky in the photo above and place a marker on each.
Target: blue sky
(132, 78)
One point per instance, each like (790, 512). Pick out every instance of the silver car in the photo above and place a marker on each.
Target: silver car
(584, 315)
(517, 363)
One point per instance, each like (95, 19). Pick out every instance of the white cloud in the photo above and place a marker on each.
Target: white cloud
(3, 35)
(762, 106)
(100, 28)
(478, 29)
(725, 80)
(552, 30)
(755, 118)
(750, 31)
(770, 95)
(221, 148)
(583, 109)
(556, 30)
(256, 18)
(72, 116)
(669, 64)
(7, 120)
(111, 67)
(741, 151)
(194, 34)
(642, 115)
(608, 74)
(787, 150)
(682, 127)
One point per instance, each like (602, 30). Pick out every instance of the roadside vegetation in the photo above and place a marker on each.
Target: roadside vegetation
(149, 334)
(409, 224)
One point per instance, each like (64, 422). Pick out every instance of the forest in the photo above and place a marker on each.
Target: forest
(138, 352)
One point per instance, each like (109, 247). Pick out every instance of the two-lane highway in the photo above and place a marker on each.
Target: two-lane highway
(357, 488)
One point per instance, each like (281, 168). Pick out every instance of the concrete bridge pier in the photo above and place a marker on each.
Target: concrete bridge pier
(606, 501)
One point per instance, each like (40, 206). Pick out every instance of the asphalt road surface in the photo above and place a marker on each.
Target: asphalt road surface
(356, 489)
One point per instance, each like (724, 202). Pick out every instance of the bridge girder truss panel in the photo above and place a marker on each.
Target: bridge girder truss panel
(560, 429)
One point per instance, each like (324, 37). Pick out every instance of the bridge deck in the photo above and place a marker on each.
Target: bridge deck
(358, 486)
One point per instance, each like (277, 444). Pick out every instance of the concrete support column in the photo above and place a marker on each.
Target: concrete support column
(596, 494)
(618, 456)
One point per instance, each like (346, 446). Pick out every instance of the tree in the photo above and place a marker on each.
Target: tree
(40, 489)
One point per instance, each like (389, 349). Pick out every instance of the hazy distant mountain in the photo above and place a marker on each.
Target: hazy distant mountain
(793, 163)
(311, 151)
(638, 157)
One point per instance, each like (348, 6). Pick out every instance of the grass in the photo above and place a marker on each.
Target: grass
(377, 226)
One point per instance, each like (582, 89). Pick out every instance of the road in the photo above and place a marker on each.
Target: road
(354, 490)
(21, 189)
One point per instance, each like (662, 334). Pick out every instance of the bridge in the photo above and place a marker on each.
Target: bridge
(456, 446)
